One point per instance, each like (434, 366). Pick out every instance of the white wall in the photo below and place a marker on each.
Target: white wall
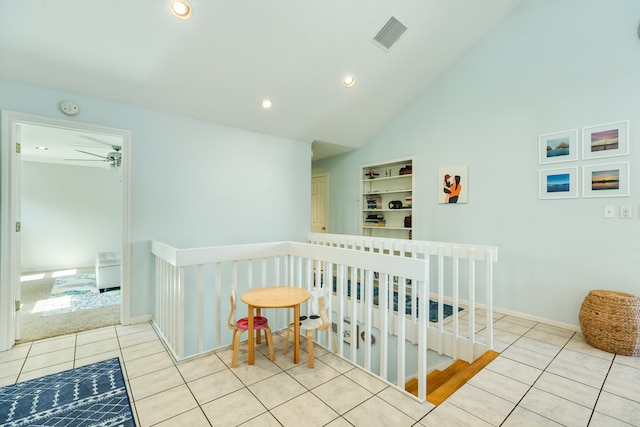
(193, 183)
(548, 67)
(69, 213)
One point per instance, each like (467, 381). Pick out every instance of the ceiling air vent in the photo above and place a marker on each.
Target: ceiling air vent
(390, 33)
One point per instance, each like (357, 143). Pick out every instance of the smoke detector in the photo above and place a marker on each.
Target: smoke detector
(70, 108)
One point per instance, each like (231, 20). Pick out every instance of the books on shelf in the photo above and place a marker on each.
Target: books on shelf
(374, 202)
(375, 220)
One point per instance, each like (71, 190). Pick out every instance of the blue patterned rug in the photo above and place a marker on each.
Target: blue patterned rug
(447, 310)
(92, 395)
(75, 284)
(76, 292)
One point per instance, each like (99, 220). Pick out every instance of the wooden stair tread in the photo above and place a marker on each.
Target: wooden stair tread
(411, 386)
(441, 394)
(441, 385)
(443, 377)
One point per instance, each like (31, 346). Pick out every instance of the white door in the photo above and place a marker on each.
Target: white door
(319, 203)
(10, 235)
(17, 209)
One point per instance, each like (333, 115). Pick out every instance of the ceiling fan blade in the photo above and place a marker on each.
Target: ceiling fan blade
(96, 140)
(86, 160)
(92, 154)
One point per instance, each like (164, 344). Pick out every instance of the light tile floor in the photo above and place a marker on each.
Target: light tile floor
(544, 376)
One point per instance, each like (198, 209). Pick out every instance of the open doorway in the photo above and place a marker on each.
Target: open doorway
(68, 200)
(71, 230)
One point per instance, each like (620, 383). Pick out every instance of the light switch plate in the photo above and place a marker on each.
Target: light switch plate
(626, 211)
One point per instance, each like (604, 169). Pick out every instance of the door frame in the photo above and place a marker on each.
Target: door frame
(9, 216)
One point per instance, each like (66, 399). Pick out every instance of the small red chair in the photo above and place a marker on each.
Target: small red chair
(241, 325)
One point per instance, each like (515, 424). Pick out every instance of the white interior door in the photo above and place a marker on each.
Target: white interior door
(17, 211)
(319, 203)
(9, 233)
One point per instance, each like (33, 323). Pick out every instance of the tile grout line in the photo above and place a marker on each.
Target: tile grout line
(604, 381)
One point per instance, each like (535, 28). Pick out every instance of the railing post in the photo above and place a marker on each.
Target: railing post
(455, 279)
(401, 330)
(200, 307)
(440, 299)
(180, 303)
(218, 285)
(423, 292)
(367, 321)
(489, 290)
(472, 307)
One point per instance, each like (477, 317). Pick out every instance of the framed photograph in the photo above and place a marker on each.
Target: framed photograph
(605, 140)
(347, 333)
(558, 147)
(559, 183)
(453, 185)
(610, 180)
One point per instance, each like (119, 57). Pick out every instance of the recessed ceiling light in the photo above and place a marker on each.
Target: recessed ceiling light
(41, 148)
(266, 103)
(349, 81)
(181, 9)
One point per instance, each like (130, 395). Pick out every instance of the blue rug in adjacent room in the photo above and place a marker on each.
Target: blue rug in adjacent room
(75, 292)
(74, 284)
(92, 395)
(447, 310)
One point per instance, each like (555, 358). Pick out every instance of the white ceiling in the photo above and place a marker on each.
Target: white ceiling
(66, 146)
(217, 65)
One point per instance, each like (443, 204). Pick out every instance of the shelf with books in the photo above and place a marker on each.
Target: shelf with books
(386, 197)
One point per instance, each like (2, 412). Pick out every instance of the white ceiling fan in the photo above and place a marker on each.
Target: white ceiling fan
(114, 158)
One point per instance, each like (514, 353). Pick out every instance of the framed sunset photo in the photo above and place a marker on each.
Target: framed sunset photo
(609, 180)
(605, 140)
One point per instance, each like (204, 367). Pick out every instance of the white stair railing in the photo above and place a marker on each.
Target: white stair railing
(447, 285)
(193, 287)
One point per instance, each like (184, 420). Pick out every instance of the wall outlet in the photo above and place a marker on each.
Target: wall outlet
(609, 211)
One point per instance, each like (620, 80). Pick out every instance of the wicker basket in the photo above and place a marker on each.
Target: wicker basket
(610, 321)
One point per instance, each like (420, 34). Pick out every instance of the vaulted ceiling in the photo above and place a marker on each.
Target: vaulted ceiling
(220, 63)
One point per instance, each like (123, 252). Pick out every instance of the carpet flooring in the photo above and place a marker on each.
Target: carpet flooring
(34, 326)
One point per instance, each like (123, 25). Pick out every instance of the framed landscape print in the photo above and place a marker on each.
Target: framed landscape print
(558, 147)
(608, 180)
(605, 140)
(559, 183)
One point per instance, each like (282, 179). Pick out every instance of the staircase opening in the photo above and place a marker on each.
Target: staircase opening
(442, 384)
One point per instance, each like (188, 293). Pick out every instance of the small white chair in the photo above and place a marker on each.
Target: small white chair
(318, 321)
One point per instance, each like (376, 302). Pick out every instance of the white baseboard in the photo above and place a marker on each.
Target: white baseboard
(140, 319)
(571, 327)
